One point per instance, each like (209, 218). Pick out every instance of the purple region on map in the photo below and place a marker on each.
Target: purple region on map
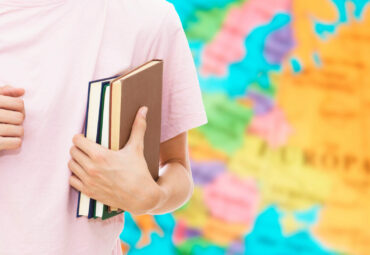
(278, 44)
(205, 172)
(261, 103)
(236, 247)
(191, 232)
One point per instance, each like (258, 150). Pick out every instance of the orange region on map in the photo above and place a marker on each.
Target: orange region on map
(223, 233)
(147, 226)
(125, 247)
(320, 100)
(329, 107)
(201, 150)
(194, 213)
(303, 12)
(344, 221)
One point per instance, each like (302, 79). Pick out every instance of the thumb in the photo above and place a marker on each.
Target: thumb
(11, 91)
(138, 130)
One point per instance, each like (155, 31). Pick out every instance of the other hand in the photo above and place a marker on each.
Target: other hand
(12, 114)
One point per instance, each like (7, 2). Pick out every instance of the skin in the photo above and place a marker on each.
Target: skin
(120, 179)
(12, 115)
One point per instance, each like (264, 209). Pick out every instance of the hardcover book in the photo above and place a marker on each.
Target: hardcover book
(111, 110)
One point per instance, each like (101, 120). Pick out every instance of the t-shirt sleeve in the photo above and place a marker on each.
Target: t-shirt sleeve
(182, 106)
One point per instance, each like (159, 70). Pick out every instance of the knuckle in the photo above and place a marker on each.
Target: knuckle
(71, 150)
(139, 148)
(133, 149)
(97, 156)
(87, 191)
(90, 169)
(70, 164)
(70, 180)
(95, 173)
(17, 143)
(137, 123)
(21, 131)
(142, 123)
(19, 103)
(18, 117)
(101, 156)
(88, 182)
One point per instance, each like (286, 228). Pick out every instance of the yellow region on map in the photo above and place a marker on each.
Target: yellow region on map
(283, 177)
(194, 213)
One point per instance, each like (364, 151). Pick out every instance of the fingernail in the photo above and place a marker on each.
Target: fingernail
(144, 111)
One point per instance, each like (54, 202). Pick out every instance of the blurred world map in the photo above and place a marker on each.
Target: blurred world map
(283, 166)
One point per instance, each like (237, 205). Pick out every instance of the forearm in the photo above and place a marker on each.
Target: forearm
(176, 187)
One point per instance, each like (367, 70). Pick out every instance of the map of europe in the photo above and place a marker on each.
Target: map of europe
(283, 165)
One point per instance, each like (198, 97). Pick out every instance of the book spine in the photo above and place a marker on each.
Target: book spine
(81, 196)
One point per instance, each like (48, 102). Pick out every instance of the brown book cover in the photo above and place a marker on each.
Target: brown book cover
(140, 87)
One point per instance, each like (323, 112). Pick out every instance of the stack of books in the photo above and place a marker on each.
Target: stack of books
(111, 110)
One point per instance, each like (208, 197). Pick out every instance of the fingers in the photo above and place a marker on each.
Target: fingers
(10, 143)
(11, 103)
(81, 158)
(138, 129)
(12, 107)
(9, 130)
(11, 91)
(12, 114)
(11, 117)
(77, 170)
(90, 148)
(76, 183)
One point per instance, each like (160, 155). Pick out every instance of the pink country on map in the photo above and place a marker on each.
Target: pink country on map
(272, 127)
(232, 199)
(228, 45)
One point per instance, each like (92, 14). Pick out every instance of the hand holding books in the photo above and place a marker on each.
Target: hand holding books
(116, 178)
(111, 118)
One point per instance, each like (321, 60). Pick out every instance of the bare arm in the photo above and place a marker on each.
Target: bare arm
(175, 179)
(121, 179)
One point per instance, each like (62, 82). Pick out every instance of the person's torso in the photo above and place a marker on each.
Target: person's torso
(52, 49)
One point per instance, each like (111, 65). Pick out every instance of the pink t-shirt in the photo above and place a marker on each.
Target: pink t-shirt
(52, 48)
